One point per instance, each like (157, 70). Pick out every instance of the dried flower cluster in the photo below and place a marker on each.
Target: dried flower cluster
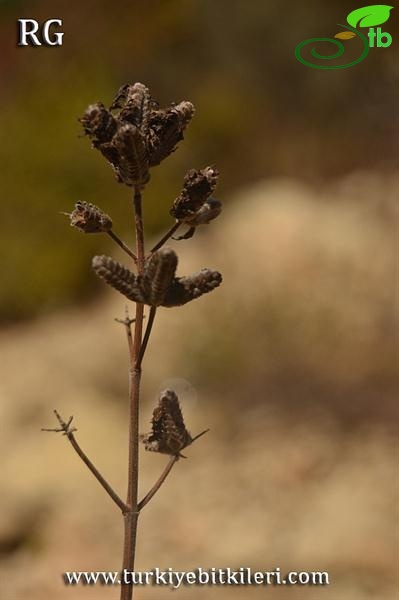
(89, 218)
(134, 134)
(158, 285)
(194, 206)
(169, 434)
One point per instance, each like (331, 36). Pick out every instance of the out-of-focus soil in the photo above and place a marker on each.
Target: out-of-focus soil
(292, 365)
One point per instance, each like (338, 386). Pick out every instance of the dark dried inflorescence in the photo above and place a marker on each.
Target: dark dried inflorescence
(89, 218)
(169, 434)
(139, 135)
(194, 206)
(159, 274)
(118, 277)
(158, 286)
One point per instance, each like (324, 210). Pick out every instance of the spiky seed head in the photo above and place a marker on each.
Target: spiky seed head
(118, 277)
(165, 130)
(136, 106)
(185, 289)
(159, 274)
(169, 434)
(194, 205)
(132, 163)
(89, 218)
(98, 123)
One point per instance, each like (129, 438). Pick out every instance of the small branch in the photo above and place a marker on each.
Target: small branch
(173, 460)
(66, 429)
(127, 322)
(199, 435)
(147, 334)
(122, 244)
(165, 237)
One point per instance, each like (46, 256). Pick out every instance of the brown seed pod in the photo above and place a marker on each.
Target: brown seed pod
(194, 205)
(169, 434)
(166, 129)
(118, 277)
(132, 163)
(158, 275)
(136, 107)
(89, 218)
(99, 124)
(185, 289)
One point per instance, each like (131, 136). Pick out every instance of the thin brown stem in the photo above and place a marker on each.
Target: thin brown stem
(173, 460)
(165, 238)
(122, 244)
(65, 428)
(131, 516)
(150, 322)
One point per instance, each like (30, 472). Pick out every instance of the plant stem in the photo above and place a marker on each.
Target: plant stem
(66, 429)
(131, 516)
(165, 238)
(147, 334)
(122, 244)
(173, 460)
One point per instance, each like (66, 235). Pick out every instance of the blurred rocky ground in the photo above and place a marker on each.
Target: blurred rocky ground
(292, 363)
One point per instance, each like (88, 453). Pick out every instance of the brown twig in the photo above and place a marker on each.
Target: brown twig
(131, 516)
(147, 334)
(122, 244)
(66, 429)
(165, 238)
(173, 460)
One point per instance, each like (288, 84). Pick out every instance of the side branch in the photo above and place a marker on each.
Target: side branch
(146, 337)
(173, 460)
(122, 245)
(165, 238)
(66, 429)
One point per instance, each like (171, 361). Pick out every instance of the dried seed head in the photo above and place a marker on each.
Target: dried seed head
(120, 98)
(139, 135)
(166, 129)
(136, 106)
(99, 124)
(169, 434)
(158, 275)
(89, 218)
(185, 289)
(194, 205)
(131, 165)
(118, 277)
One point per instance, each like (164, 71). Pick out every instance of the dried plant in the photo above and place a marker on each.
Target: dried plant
(134, 135)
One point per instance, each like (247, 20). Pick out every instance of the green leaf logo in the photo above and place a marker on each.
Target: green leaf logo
(368, 16)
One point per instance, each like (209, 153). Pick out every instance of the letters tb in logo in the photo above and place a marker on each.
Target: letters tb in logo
(30, 33)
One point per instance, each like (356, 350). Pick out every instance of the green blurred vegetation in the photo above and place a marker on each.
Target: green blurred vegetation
(260, 113)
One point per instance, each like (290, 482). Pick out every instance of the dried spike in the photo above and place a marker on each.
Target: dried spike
(169, 434)
(132, 164)
(137, 106)
(194, 205)
(89, 218)
(120, 98)
(166, 129)
(118, 277)
(99, 124)
(185, 289)
(158, 275)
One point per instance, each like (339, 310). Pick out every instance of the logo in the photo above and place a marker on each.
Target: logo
(31, 33)
(368, 16)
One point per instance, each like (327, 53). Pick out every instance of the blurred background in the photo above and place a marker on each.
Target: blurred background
(292, 363)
